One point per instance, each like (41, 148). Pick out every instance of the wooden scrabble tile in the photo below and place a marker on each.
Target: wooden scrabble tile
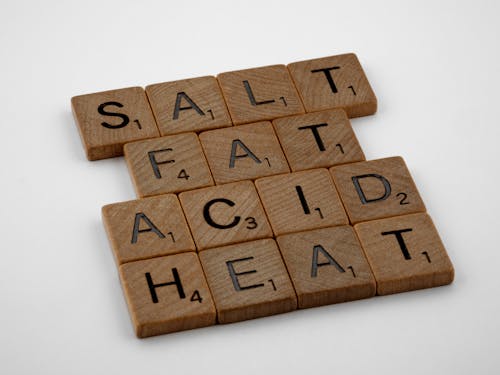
(248, 280)
(188, 105)
(167, 294)
(405, 253)
(225, 214)
(258, 94)
(243, 152)
(327, 266)
(109, 119)
(146, 228)
(377, 189)
(320, 139)
(167, 165)
(334, 82)
(301, 201)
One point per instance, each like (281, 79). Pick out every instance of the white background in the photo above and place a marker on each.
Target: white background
(435, 68)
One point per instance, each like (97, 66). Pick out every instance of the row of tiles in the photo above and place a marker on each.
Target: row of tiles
(177, 163)
(107, 120)
(301, 270)
(275, 205)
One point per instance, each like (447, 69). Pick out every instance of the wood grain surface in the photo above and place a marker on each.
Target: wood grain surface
(146, 228)
(188, 105)
(334, 82)
(327, 266)
(301, 201)
(167, 294)
(248, 280)
(109, 119)
(243, 152)
(225, 214)
(377, 189)
(405, 253)
(316, 140)
(258, 94)
(167, 165)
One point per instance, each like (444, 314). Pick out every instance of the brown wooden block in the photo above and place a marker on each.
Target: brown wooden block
(405, 253)
(320, 139)
(248, 280)
(109, 119)
(167, 294)
(146, 228)
(327, 266)
(225, 214)
(258, 94)
(301, 201)
(167, 165)
(243, 152)
(188, 105)
(334, 82)
(377, 189)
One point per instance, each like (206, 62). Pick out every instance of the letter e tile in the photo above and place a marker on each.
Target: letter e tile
(248, 280)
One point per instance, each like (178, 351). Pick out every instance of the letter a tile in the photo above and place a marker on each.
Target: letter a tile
(327, 266)
(225, 214)
(377, 189)
(334, 82)
(109, 119)
(243, 152)
(146, 228)
(188, 105)
(405, 253)
(167, 294)
(260, 94)
(248, 280)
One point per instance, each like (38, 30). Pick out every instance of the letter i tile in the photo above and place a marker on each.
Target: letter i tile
(248, 280)
(167, 294)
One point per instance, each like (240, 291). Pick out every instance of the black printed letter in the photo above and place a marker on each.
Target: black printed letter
(177, 282)
(330, 261)
(314, 129)
(247, 153)
(209, 220)
(385, 182)
(155, 163)
(102, 111)
(401, 241)
(137, 224)
(328, 76)
(234, 275)
(252, 97)
(192, 105)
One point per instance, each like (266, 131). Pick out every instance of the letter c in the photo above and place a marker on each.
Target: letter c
(211, 222)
